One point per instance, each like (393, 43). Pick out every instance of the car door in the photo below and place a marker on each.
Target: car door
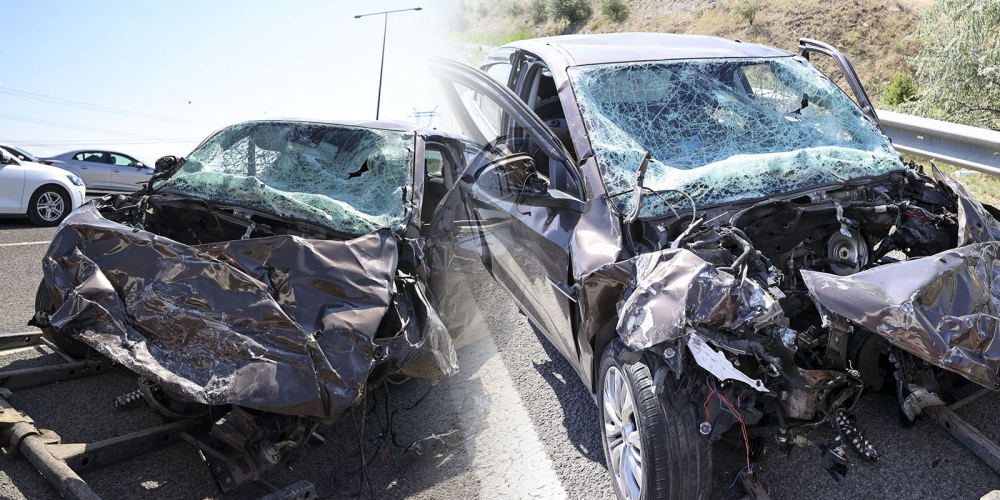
(526, 202)
(11, 185)
(127, 173)
(95, 169)
(807, 47)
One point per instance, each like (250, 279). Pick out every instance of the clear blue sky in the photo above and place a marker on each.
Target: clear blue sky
(202, 64)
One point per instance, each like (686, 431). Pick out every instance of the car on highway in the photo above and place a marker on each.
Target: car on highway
(103, 171)
(712, 231)
(45, 194)
(19, 153)
(263, 283)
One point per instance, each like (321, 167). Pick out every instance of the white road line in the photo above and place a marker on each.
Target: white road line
(508, 457)
(46, 242)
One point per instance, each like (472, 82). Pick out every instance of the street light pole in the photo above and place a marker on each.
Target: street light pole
(385, 28)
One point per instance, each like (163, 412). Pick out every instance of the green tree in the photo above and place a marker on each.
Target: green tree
(570, 10)
(537, 9)
(959, 66)
(747, 9)
(902, 89)
(615, 9)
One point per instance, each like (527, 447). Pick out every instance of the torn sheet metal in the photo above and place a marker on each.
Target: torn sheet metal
(717, 364)
(281, 324)
(944, 308)
(675, 288)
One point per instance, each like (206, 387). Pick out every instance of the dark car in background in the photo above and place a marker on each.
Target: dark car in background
(712, 231)
(262, 284)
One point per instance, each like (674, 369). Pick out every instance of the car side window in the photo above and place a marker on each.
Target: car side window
(435, 162)
(93, 157)
(511, 159)
(499, 72)
(122, 161)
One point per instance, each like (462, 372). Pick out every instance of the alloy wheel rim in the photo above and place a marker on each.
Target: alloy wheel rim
(621, 431)
(50, 206)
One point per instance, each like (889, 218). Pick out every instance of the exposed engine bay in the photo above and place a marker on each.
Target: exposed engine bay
(792, 308)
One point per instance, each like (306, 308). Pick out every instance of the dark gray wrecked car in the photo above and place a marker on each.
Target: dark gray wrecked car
(712, 232)
(263, 282)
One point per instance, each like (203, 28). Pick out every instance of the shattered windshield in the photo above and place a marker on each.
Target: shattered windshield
(352, 179)
(722, 130)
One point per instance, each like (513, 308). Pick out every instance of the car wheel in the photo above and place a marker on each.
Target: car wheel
(69, 345)
(653, 450)
(49, 206)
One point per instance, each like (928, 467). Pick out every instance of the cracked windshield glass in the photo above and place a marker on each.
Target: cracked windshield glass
(353, 180)
(723, 130)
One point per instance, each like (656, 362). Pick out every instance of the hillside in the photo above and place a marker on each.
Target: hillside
(872, 33)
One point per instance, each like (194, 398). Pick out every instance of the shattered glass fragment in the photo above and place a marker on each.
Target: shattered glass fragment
(352, 179)
(723, 130)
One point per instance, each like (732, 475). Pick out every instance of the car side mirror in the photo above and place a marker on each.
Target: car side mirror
(140, 164)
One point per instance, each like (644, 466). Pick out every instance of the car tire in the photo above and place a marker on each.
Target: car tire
(49, 205)
(69, 345)
(676, 462)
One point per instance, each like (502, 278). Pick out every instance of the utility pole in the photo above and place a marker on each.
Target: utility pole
(385, 27)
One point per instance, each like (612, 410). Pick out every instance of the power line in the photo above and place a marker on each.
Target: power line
(71, 126)
(25, 142)
(95, 107)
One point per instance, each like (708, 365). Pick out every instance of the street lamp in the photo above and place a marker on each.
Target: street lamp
(378, 102)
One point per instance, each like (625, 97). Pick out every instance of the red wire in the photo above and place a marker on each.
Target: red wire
(705, 405)
(746, 440)
(917, 216)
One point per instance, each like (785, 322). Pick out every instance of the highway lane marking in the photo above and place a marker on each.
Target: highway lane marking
(24, 243)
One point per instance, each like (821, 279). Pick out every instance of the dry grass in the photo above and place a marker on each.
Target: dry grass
(985, 187)
(870, 32)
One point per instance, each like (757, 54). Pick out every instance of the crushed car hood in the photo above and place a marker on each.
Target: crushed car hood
(281, 324)
(944, 308)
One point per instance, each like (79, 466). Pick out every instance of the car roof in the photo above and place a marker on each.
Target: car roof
(580, 50)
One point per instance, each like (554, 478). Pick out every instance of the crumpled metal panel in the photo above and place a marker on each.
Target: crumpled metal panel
(281, 324)
(675, 289)
(944, 308)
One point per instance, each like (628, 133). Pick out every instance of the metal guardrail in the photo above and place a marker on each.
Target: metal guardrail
(970, 147)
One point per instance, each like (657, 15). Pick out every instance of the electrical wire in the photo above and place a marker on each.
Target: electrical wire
(39, 121)
(732, 410)
(94, 107)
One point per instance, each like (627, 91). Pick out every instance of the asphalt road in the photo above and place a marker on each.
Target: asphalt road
(526, 427)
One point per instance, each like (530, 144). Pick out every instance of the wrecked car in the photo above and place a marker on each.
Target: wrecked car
(712, 231)
(263, 283)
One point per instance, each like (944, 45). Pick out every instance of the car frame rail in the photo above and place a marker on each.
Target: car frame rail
(61, 463)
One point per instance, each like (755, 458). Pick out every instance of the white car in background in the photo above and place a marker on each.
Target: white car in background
(45, 194)
(19, 153)
(103, 170)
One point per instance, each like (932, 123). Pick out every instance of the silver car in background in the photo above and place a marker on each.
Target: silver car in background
(103, 170)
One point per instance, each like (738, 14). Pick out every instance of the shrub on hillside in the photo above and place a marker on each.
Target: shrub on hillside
(570, 10)
(902, 89)
(747, 9)
(537, 10)
(615, 9)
